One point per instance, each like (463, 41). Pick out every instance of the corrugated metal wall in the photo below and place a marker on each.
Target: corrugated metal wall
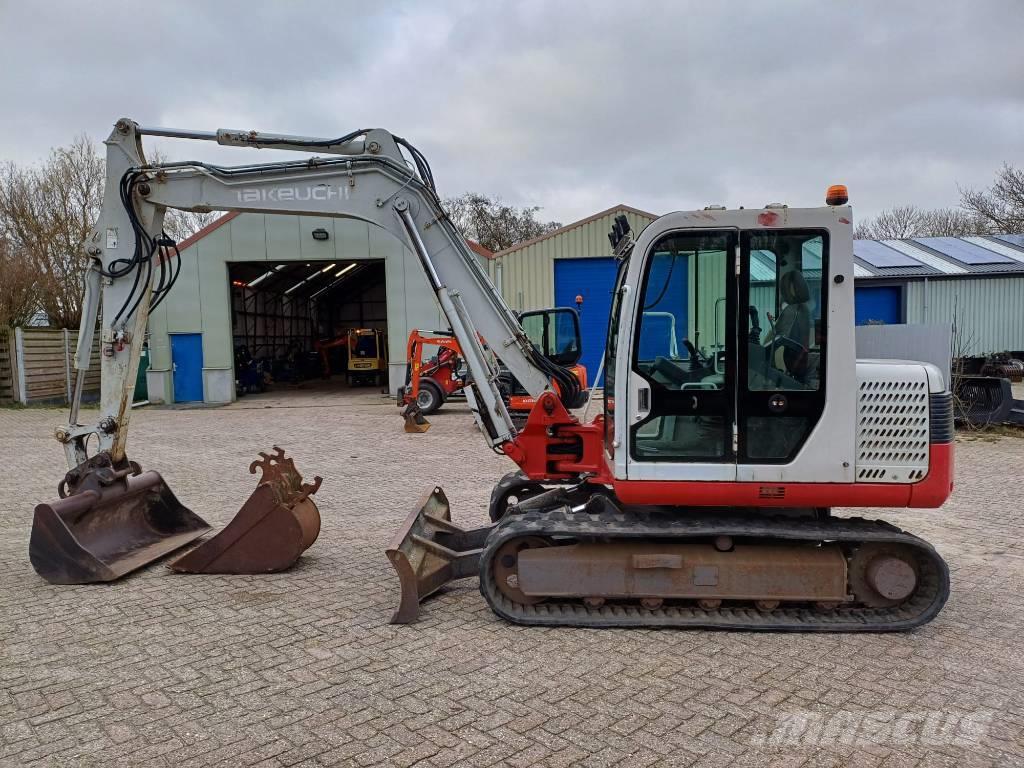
(528, 274)
(990, 310)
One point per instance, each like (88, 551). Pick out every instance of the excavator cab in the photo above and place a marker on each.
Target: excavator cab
(556, 334)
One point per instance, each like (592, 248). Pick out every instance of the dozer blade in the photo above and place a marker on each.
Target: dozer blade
(429, 551)
(276, 524)
(112, 522)
(415, 421)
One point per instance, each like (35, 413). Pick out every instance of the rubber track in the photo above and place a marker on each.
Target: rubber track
(922, 607)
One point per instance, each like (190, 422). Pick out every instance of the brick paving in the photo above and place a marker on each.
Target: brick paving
(302, 668)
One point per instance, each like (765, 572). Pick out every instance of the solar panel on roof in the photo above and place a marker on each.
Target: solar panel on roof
(881, 256)
(1017, 240)
(962, 251)
(945, 266)
(1014, 254)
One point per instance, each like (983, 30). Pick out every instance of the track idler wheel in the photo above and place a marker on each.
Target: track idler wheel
(883, 575)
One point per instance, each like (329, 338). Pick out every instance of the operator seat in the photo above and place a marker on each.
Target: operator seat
(794, 323)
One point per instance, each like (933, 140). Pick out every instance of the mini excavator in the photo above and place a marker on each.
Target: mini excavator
(700, 495)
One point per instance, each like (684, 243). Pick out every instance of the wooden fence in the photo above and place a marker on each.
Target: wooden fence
(6, 369)
(37, 365)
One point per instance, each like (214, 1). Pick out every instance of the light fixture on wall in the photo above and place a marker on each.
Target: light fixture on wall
(321, 234)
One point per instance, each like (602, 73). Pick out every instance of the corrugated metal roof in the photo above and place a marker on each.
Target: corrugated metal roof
(962, 251)
(1014, 254)
(936, 256)
(941, 247)
(762, 267)
(944, 266)
(1017, 240)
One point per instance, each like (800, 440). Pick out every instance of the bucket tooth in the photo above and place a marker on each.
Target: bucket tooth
(415, 421)
(112, 522)
(277, 468)
(429, 550)
(276, 524)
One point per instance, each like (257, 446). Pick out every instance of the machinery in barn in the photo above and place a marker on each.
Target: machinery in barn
(430, 382)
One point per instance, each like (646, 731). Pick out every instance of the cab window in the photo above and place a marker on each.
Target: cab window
(785, 330)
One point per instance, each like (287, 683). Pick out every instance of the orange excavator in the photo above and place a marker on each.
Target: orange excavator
(430, 383)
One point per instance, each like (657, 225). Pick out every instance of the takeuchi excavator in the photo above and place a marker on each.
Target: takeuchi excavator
(701, 493)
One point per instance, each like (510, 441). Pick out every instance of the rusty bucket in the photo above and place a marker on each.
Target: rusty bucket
(415, 421)
(429, 550)
(276, 524)
(108, 522)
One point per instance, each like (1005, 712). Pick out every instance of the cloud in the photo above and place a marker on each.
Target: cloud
(569, 105)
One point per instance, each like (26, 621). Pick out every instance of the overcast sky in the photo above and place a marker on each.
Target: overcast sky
(573, 106)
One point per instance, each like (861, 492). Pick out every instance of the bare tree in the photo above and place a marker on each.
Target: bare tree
(1001, 206)
(951, 222)
(19, 289)
(182, 224)
(910, 221)
(897, 222)
(494, 224)
(46, 212)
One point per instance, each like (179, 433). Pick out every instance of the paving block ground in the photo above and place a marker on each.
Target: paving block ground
(302, 668)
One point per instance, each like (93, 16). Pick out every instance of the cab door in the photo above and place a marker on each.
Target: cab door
(682, 374)
(781, 381)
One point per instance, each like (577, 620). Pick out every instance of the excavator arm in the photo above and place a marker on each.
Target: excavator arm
(364, 175)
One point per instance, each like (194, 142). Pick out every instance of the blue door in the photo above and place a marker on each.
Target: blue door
(878, 304)
(187, 366)
(593, 279)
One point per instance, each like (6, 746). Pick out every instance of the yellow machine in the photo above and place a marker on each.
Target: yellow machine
(367, 360)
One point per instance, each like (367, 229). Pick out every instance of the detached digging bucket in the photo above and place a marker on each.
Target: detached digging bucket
(112, 522)
(277, 523)
(415, 421)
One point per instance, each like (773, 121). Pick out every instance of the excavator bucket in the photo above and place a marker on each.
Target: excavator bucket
(276, 524)
(415, 421)
(428, 551)
(108, 522)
